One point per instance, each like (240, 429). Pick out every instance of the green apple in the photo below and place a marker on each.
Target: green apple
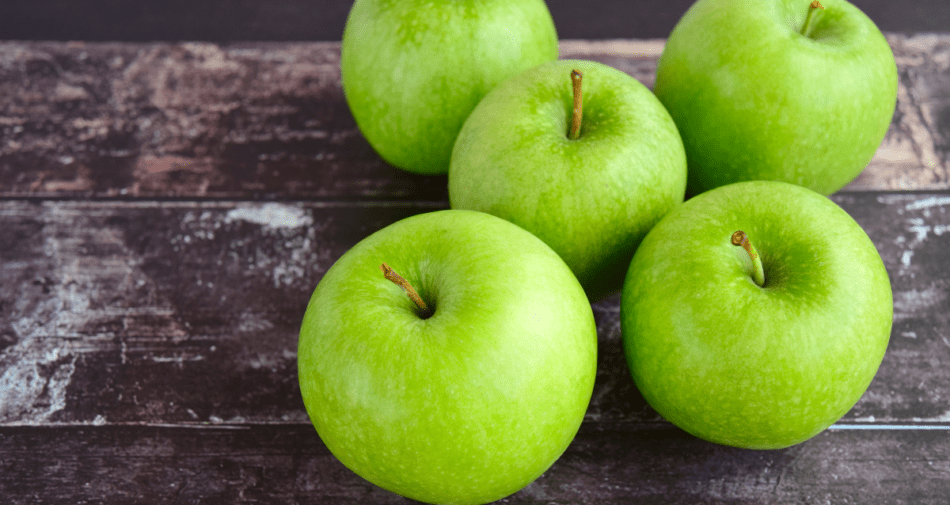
(470, 399)
(413, 70)
(749, 365)
(592, 198)
(777, 90)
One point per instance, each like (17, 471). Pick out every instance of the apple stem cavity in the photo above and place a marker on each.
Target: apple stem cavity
(397, 279)
(576, 78)
(739, 238)
(806, 28)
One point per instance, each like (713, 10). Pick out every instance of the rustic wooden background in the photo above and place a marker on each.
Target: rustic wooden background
(166, 210)
(323, 20)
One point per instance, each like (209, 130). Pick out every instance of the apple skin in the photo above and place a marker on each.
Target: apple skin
(471, 404)
(755, 100)
(749, 366)
(413, 70)
(592, 199)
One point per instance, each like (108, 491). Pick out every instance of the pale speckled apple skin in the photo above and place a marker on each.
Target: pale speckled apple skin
(592, 199)
(413, 70)
(741, 365)
(471, 404)
(755, 100)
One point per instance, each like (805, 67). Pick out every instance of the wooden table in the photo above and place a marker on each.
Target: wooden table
(167, 209)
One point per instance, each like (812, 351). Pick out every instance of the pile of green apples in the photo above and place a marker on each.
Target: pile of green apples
(450, 357)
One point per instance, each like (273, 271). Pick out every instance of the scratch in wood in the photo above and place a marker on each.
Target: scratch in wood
(176, 359)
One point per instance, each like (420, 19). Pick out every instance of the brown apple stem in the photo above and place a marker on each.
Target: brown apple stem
(806, 28)
(739, 238)
(576, 77)
(397, 279)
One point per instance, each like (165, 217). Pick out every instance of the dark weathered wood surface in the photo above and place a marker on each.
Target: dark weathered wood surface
(188, 312)
(166, 210)
(306, 20)
(605, 465)
(269, 120)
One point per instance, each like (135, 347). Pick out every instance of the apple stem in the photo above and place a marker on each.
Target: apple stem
(576, 77)
(806, 28)
(739, 238)
(397, 279)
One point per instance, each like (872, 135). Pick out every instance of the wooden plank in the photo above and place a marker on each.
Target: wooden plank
(269, 120)
(918, 141)
(604, 465)
(163, 312)
(187, 312)
(221, 20)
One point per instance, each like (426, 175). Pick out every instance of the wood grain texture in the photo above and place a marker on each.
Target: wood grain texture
(269, 120)
(604, 465)
(167, 209)
(187, 313)
(303, 20)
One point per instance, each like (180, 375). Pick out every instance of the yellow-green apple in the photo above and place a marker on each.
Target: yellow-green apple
(777, 90)
(413, 70)
(592, 195)
(468, 385)
(755, 314)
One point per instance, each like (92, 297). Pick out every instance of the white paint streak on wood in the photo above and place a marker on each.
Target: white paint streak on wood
(905, 258)
(915, 303)
(887, 427)
(28, 391)
(892, 423)
(927, 203)
(273, 215)
(56, 330)
(38, 368)
(943, 418)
